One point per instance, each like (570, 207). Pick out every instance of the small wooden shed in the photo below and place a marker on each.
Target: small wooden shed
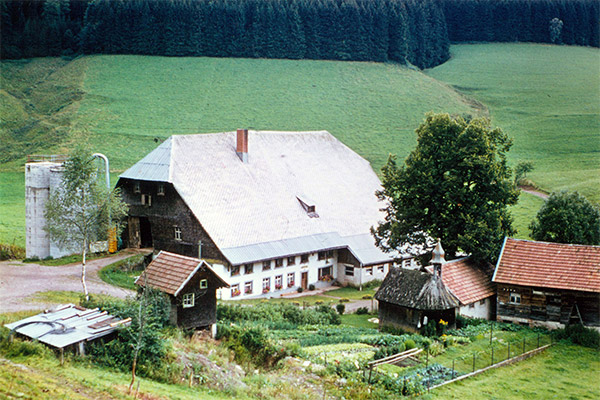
(191, 285)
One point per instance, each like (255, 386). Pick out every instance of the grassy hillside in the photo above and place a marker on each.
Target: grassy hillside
(373, 108)
(547, 98)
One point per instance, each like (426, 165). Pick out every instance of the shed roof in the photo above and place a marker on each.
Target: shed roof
(170, 272)
(415, 289)
(67, 324)
(466, 280)
(243, 204)
(549, 265)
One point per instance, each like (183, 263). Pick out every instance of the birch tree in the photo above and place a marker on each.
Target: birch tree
(81, 210)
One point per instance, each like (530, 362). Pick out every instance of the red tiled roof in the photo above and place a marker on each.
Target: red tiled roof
(169, 272)
(466, 281)
(549, 265)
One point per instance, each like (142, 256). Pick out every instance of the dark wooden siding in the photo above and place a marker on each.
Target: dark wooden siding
(164, 214)
(204, 312)
(409, 318)
(548, 305)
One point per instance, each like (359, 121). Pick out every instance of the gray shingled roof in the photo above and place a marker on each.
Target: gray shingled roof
(415, 289)
(245, 204)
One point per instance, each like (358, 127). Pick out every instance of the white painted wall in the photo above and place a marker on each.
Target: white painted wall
(256, 277)
(478, 310)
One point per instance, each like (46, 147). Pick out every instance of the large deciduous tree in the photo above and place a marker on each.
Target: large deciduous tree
(567, 217)
(454, 186)
(81, 210)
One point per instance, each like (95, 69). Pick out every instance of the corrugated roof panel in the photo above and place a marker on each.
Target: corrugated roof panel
(62, 327)
(154, 167)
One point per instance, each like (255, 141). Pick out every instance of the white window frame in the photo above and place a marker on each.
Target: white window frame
(266, 284)
(381, 268)
(292, 259)
(188, 300)
(291, 279)
(248, 285)
(369, 271)
(234, 288)
(515, 298)
(248, 269)
(266, 265)
(203, 283)
(177, 233)
(349, 270)
(235, 270)
(279, 282)
(304, 258)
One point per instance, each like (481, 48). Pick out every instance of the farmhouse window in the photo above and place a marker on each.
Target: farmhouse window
(235, 290)
(266, 265)
(369, 270)
(161, 190)
(203, 283)
(349, 271)
(406, 263)
(279, 263)
(146, 200)
(136, 187)
(304, 258)
(325, 274)
(278, 282)
(472, 305)
(177, 233)
(515, 298)
(248, 268)
(248, 287)
(291, 260)
(482, 302)
(188, 300)
(235, 270)
(266, 285)
(380, 268)
(321, 255)
(291, 278)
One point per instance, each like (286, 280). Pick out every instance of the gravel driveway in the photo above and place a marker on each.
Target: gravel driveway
(21, 280)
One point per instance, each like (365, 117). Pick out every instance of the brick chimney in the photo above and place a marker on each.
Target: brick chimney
(241, 148)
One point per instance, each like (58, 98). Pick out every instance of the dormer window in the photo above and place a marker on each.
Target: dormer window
(308, 205)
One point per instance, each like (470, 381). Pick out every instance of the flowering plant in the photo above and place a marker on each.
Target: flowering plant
(266, 289)
(235, 292)
(278, 286)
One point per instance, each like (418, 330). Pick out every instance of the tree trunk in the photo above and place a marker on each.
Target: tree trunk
(85, 290)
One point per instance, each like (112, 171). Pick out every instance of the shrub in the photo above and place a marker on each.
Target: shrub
(367, 297)
(393, 330)
(311, 287)
(410, 344)
(340, 308)
(579, 334)
(362, 310)
(12, 252)
(300, 290)
(344, 300)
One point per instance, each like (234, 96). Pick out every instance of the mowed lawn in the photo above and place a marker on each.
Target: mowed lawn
(373, 108)
(547, 98)
(564, 372)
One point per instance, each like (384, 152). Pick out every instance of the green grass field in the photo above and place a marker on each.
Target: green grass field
(547, 98)
(550, 107)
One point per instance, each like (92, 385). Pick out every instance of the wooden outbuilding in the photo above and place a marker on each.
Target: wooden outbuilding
(409, 299)
(191, 285)
(548, 284)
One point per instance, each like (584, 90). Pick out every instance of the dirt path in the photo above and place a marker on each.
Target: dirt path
(534, 192)
(21, 280)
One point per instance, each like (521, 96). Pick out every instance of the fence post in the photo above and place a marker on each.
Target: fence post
(452, 368)
(523, 346)
(491, 332)
(427, 359)
(492, 356)
(473, 362)
(538, 340)
(370, 372)
(508, 352)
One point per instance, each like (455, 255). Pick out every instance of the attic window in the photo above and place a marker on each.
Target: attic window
(177, 233)
(203, 283)
(308, 205)
(136, 187)
(161, 190)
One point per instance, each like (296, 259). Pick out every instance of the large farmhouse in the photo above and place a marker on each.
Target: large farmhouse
(271, 211)
(548, 284)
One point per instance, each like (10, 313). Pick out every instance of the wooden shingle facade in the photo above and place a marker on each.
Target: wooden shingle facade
(548, 284)
(191, 285)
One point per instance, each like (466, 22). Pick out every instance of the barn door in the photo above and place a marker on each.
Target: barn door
(133, 224)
